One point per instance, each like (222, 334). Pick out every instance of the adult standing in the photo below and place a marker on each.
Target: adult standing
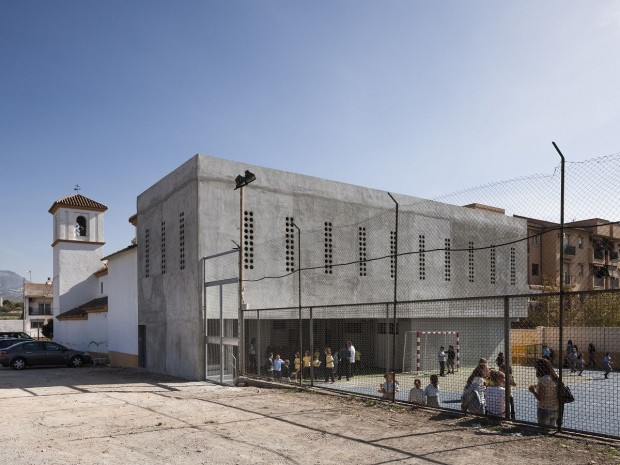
(351, 359)
(546, 393)
(344, 357)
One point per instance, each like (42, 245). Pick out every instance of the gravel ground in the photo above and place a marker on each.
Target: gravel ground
(99, 415)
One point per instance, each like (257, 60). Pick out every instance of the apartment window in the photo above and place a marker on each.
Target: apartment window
(513, 266)
(147, 253)
(535, 240)
(580, 269)
(447, 260)
(580, 242)
(493, 265)
(290, 244)
(101, 285)
(471, 268)
(36, 324)
(45, 309)
(163, 247)
(182, 240)
(535, 270)
(248, 240)
(361, 235)
(422, 257)
(329, 248)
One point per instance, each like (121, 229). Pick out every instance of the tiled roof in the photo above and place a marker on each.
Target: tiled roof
(95, 305)
(79, 201)
(37, 290)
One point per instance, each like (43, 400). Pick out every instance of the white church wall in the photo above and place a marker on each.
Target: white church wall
(123, 308)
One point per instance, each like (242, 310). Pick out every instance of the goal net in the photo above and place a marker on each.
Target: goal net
(421, 349)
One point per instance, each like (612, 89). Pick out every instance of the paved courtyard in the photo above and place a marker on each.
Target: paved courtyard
(100, 415)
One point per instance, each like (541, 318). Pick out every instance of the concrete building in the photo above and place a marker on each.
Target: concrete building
(194, 212)
(590, 254)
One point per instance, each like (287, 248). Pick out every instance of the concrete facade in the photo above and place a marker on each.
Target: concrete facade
(194, 212)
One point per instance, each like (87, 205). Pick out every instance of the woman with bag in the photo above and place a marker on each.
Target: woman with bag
(546, 393)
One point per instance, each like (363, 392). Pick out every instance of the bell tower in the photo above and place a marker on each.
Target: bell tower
(78, 249)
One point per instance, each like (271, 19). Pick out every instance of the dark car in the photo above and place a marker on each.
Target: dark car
(14, 335)
(7, 342)
(30, 353)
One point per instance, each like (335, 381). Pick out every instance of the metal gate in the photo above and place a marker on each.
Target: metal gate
(220, 305)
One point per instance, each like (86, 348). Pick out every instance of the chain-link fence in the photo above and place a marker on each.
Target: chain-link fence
(472, 302)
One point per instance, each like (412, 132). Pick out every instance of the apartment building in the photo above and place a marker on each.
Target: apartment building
(590, 254)
(37, 306)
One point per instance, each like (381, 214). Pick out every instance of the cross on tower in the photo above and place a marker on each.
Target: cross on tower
(77, 188)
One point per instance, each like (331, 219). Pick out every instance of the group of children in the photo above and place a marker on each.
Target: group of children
(305, 367)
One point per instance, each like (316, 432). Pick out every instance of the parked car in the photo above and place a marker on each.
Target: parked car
(6, 342)
(30, 353)
(14, 335)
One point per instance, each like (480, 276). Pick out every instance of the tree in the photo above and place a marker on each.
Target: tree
(48, 329)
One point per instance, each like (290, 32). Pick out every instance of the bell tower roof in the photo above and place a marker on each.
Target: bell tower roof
(77, 201)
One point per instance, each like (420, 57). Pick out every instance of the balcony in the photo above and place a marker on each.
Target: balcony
(570, 250)
(39, 311)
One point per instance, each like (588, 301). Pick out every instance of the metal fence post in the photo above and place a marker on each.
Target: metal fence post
(311, 349)
(259, 354)
(561, 322)
(507, 355)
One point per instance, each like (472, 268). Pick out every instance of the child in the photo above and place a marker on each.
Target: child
(297, 366)
(277, 368)
(495, 395)
(581, 363)
(441, 355)
(607, 364)
(286, 370)
(269, 365)
(451, 356)
(416, 395)
(316, 366)
(307, 362)
(390, 387)
(329, 366)
(432, 392)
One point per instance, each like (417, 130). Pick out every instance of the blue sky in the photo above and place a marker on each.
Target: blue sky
(416, 97)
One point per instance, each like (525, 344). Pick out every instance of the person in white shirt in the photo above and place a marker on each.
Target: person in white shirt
(432, 392)
(495, 394)
(416, 394)
(351, 358)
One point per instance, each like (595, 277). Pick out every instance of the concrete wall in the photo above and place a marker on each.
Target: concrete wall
(123, 308)
(169, 304)
(202, 189)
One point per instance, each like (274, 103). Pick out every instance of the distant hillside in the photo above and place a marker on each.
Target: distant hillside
(11, 285)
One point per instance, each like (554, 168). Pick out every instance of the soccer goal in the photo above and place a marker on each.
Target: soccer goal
(421, 348)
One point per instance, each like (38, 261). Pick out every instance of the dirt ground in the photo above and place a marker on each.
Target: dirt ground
(99, 415)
